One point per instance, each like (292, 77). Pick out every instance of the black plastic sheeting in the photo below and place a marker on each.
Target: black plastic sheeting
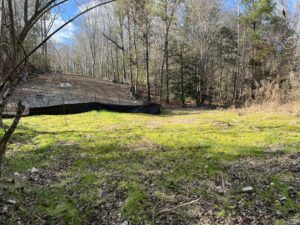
(150, 108)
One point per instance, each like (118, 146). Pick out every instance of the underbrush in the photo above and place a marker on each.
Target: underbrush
(291, 108)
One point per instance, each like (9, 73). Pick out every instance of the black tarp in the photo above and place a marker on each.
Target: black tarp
(150, 108)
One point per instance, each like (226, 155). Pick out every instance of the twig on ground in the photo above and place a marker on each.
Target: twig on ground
(179, 206)
(40, 219)
(154, 213)
(223, 183)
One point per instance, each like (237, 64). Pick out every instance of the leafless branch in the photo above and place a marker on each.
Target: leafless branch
(179, 206)
(114, 42)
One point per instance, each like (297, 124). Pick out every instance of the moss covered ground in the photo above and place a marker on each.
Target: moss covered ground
(181, 167)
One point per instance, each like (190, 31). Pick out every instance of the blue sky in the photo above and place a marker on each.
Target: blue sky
(70, 9)
(66, 11)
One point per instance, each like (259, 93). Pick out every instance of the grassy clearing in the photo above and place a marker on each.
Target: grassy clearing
(107, 168)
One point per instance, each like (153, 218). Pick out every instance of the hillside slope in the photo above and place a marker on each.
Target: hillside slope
(57, 89)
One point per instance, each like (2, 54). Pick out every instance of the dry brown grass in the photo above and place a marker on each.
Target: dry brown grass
(292, 108)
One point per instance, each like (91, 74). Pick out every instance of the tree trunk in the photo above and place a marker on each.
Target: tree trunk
(167, 67)
(168, 23)
(136, 60)
(162, 78)
(5, 139)
(117, 64)
(147, 67)
(130, 54)
(112, 64)
(123, 55)
(124, 66)
(237, 74)
(1, 38)
(182, 79)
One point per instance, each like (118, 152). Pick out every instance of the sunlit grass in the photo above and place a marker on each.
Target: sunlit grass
(142, 156)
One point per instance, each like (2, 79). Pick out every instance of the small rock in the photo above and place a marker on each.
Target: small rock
(232, 207)
(65, 85)
(11, 201)
(282, 199)
(279, 214)
(124, 223)
(206, 166)
(272, 184)
(292, 193)
(247, 189)
(4, 210)
(220, 190)
(227, 183)
(16, 174)
(34, 170)
(83, 155)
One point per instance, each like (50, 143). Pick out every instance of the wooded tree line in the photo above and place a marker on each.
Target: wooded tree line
(203, 50)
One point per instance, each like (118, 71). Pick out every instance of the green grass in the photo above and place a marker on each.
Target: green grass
(124, 166)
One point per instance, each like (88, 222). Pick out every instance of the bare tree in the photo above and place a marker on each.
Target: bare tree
(169, 9)
(144, 38)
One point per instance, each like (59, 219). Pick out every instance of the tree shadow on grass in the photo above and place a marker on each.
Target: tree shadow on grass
(166, 176)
